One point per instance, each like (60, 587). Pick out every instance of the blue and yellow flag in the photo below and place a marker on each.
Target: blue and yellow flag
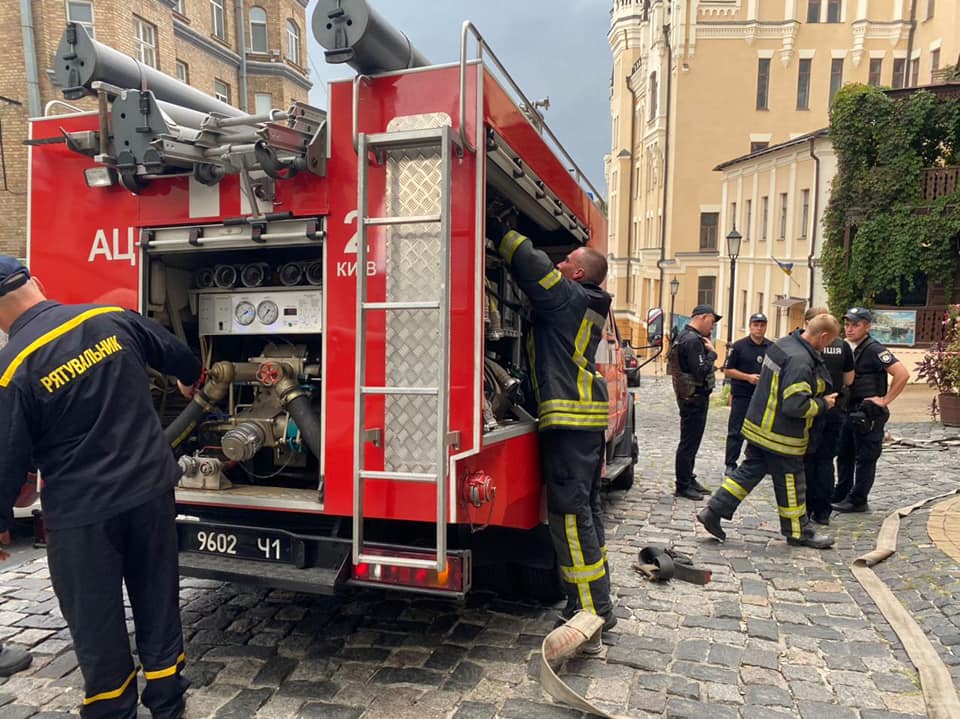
(787, 267)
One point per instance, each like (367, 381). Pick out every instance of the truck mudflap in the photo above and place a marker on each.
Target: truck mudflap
(263, 556)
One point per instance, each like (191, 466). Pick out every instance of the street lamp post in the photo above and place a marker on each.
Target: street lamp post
(674, 287)
(733, 251)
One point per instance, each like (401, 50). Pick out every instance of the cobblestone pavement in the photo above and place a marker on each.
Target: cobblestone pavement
(779, 632)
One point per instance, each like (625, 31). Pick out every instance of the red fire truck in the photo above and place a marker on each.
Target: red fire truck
(365, 418)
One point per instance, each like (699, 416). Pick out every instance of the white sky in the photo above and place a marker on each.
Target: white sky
(555, 48)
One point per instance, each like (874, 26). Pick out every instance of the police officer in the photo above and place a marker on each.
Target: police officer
(570, 310)
(742, 368)
(74, 399)
(690, 362)
(861, 438)
(825, 432)
(792, 389)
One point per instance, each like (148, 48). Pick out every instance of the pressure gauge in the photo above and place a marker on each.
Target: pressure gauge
(245, 312)
(268, 312)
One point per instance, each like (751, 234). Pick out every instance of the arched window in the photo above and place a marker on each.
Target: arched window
(258, 30)
(293, 42)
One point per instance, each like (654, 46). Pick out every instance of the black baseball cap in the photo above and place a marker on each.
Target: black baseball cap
(705, 310)
(858, 314)
(758, 317)
(13, 275)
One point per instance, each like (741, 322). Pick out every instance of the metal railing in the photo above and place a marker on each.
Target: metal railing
(940, 181)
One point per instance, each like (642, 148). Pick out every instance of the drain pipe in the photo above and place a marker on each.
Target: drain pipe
(30, 59)
(242, 48)
(666, 163)
(816, 210)
(909, 81)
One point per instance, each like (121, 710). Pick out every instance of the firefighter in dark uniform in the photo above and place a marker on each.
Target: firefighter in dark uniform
(825, 432)
(75, 402)
(791, 393)
(861, 438)
(570, 310)
(742, 368)
(690, 363)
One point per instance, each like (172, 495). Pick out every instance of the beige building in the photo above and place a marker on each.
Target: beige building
(196, 41)
(699, 82)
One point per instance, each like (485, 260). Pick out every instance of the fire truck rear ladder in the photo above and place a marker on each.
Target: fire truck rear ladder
(437, 139)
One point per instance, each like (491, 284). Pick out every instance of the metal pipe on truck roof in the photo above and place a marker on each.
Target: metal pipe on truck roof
(352, 32)
(81, 61)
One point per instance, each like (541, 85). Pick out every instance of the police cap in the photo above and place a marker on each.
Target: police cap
(705, 310)
(13, 275)
(758, 317)
(858, 314)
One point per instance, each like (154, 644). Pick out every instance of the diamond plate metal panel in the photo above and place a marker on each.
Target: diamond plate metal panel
(413, 256)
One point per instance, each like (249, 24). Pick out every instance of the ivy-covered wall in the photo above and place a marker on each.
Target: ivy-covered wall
(882, 145)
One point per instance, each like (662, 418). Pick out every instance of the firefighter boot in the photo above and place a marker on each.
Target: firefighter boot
(711, 522)
(813, 539)
(13, 660)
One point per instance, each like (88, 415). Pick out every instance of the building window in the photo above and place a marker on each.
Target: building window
(81, 12)
(221, 91)
(733, 215)
(782, 229)
(803, 85)
(931, 8)
(760, 305)
(145, 41)
(218, 20)
(743, 308)
(652, 96)
(763, 83)
(836, 76)
(876, 68)
(914, 72)
(934, 63)
(262, 103)
(764, 216)
(708, 231)
(747, 220)
(757, 146)
(813, 10)
(258, 30)
(899, 71)
(183, 72)
(706, 290)
(804, 212)
(834, 10)
(293, 42)
(178, 7)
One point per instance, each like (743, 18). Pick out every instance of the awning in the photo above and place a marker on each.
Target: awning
(789, 301)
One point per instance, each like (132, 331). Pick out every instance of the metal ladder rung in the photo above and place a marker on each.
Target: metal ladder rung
(402, 220)
(427, 305)
(399, 476)
(403, 139)
(419, 391)
(397, 561)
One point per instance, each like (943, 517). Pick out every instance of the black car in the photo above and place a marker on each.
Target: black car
(631, 365)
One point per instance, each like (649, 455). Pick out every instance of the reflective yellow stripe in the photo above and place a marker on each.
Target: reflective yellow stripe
(813, 410)
(796, 388)
(584, 378)
(583, 573)
(788, 512)
(603, 552)
(821, 386)
(168, 672)
(771, 410)
(103, 696)
(753, 433)
(576, 555)
(573, 420)
(791, 483)
(509, 244)
(778, 438)
(572, 405)
(50, 337)
(734, 488)
(550, 279)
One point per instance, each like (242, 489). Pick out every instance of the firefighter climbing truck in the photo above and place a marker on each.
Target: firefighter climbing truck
(365, 418)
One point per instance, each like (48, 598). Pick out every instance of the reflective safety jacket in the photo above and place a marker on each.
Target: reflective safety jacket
(75, 402)
(562, 346)
(789, 395)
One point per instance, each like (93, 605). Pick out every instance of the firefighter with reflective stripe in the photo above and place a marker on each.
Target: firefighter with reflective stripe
(791, 393)
(75, 401)
(570, 310)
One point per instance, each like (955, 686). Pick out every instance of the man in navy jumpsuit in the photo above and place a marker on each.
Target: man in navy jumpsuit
(570, 310)
(75, 403)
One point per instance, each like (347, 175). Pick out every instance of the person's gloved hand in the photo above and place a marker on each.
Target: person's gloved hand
(498, 226)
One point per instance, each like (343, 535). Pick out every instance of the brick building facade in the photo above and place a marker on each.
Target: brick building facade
(194, 40)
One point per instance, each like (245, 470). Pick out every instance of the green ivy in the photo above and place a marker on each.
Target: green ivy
(882, 145)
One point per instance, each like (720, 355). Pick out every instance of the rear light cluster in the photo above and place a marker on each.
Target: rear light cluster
(455, 579)
(630, 362)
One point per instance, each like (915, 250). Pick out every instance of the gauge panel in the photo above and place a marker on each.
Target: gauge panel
(278, 310)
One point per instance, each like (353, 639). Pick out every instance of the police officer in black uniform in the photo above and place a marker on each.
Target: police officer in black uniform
(861, 439)
(825, 432)
(742, 368)
(690, 363)
(794, 388)
(75, 401)
(570, 310)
